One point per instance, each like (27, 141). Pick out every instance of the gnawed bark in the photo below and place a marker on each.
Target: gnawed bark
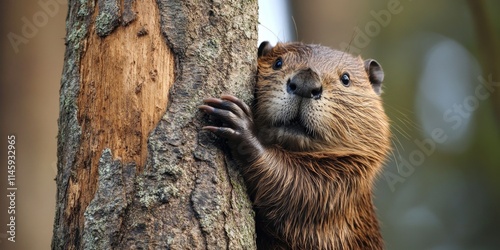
(134, 169)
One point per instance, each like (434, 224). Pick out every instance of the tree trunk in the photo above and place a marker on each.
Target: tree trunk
(134, 168)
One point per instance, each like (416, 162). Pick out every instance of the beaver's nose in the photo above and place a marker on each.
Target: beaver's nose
(306, 84)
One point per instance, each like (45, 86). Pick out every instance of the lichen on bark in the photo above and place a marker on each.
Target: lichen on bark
(105, 213)
(108, 17)
(184, 192)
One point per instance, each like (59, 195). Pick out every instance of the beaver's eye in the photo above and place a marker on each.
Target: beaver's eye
(278, 63)
(346, 81)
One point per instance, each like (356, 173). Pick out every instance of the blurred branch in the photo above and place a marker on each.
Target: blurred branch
(487, 49)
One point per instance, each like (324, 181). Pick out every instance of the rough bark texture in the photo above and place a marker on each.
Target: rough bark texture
(134, 169)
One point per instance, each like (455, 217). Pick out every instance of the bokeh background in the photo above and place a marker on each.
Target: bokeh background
(441, 187)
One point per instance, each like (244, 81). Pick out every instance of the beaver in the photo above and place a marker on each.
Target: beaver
(310, 146)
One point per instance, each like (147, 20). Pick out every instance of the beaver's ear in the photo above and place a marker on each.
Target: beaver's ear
(264, 48)
(375, 74)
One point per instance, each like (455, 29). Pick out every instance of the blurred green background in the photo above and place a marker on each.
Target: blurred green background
(440, 189)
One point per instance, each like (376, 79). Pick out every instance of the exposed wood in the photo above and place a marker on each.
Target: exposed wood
(134, 169)
(125, 79)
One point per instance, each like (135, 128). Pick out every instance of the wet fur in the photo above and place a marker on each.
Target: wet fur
(315, 192)
(309, 163)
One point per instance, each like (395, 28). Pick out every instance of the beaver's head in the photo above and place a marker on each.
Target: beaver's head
(313, 98)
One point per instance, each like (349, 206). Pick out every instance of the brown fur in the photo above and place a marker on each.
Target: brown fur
(309, 159)
(315, 192)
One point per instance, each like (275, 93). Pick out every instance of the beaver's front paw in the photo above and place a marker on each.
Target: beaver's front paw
(239, 131)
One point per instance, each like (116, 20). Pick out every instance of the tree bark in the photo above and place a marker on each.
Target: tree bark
(134, 168)
(488, 51)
